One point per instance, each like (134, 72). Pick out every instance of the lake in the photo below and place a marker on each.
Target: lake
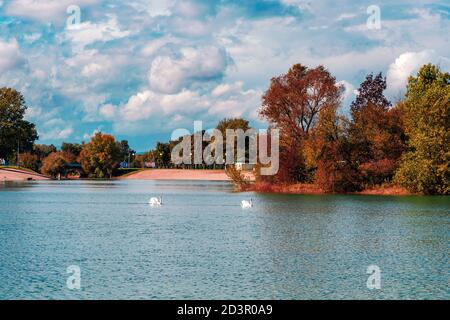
(202, 245)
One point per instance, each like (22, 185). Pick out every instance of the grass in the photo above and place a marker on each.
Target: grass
(19, 168)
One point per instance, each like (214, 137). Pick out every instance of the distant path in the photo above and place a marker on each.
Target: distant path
(178, 174)
(19, 175)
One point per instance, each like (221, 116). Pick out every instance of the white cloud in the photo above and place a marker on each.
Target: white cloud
(154, 8)
(155, 45)
(108, 111)
(409, 63)
(10, 56)
(56, 134)
(44, 10)
(172, 74)
(149, 110)
(87, 33)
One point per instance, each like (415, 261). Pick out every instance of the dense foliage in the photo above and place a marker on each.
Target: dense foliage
(409, 140)
(379, 143)
(54, 164)
(100, 156)
(15, 132)
(425, 168)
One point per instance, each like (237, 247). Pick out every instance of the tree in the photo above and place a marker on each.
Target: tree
(371, 91)
(28, 160)
(162, 155)
(43, 150)
(100, 156)
(376, 132)
(72, 148)
(336, 171)
(125, 151)
(294, 100)
(293, 104)
(54, 164)
(426, 167)
(14, 131)
(233, 124)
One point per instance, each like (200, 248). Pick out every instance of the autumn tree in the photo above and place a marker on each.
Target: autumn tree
(15, 132)
(336, 172)
(376, 132)
(28, 160)
(54, 164)
(100, 156)
(426, 167)
(293, 104)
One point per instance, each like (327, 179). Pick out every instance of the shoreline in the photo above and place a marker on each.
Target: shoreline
(10, 175)
(311, 189)
(177, 174)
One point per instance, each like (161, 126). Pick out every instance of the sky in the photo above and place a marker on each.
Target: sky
(140, 69)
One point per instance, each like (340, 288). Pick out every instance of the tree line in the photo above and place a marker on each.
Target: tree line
(406, 143)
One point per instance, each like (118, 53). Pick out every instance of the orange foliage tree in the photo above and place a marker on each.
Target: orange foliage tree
(293, 104)
(54, 164)
(100, 156)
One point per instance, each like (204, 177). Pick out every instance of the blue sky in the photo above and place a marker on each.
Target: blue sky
(139, 69)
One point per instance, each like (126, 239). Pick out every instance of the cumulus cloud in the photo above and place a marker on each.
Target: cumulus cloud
(409, 63)
(147, 108)
(147, 65)
(10, 56)
(171, 74)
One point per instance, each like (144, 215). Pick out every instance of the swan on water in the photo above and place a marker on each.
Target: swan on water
(245, 204)
(156, 202)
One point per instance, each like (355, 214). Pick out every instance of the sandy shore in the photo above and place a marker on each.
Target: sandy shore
(178, 174)
(19, 175)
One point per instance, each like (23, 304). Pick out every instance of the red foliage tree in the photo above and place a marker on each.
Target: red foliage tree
(293, 103)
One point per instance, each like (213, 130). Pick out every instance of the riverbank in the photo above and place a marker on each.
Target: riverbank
(20, 175)
(312, 189)
(177, 174)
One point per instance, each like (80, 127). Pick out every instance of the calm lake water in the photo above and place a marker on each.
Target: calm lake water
(202, 245)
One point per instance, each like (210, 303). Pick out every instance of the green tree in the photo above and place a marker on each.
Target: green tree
(126, 153)
(14, 131)
(72, 148)
(426, 167)
(232, 123)
(161, 154)
(100, 156)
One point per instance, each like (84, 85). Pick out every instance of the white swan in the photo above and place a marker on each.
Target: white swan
(155, 202)
(245, 204)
